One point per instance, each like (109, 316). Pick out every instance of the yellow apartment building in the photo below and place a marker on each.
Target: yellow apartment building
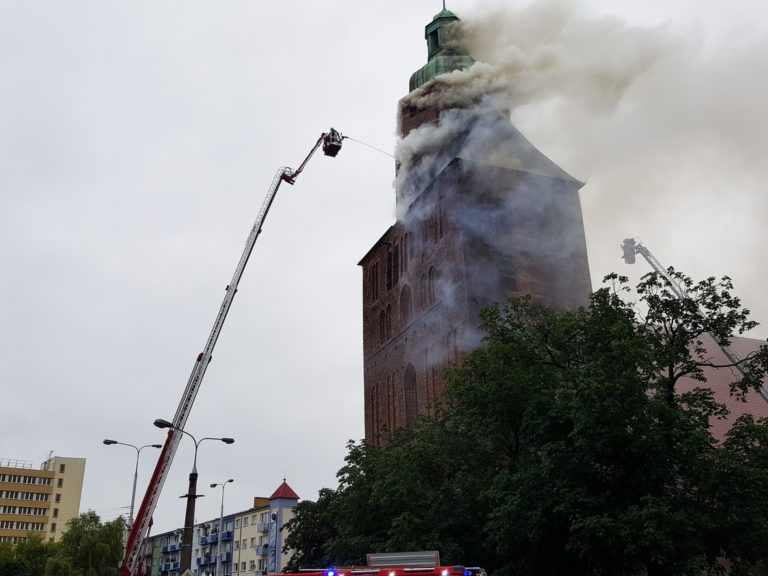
(39, 501)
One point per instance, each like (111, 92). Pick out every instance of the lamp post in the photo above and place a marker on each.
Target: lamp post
(221, 523)
(191, 496)
(138, 449)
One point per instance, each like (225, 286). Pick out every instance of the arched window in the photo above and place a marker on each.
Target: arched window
(406, 306)
(440, 218)
(374, 282)
(396, 263)
(390, 403)
(431, 285)
(383, 327)
(406, 251)
(411, 394)
(374, 408)
(423, 292)
(388, 323)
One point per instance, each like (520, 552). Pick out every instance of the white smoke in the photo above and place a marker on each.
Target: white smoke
(543, 52)
(668, 135)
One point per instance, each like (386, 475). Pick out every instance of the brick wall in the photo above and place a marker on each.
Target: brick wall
(477, 233)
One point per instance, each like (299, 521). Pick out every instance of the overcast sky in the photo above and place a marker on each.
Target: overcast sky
(139, 138)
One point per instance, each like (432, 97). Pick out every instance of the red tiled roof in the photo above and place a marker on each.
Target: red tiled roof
(284, 491)
(719, 380)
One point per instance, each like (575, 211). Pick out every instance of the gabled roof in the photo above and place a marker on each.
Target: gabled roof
(284, 491)
(719, 379)
(492, 139)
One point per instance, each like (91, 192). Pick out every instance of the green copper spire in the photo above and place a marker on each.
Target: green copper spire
(441, 58)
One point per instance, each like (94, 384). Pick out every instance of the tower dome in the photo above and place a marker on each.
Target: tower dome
(443, 56)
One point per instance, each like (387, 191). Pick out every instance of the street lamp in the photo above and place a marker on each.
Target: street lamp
(191, 496)
(138, 449)
(221, 523)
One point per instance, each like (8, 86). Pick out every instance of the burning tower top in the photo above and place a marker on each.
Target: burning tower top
(444, 53)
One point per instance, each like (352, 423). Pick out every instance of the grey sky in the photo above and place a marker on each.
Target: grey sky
(137, 142)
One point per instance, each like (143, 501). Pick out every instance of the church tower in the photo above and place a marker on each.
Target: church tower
(482, 215)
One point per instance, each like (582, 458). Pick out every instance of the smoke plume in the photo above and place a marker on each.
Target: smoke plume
(667, 133)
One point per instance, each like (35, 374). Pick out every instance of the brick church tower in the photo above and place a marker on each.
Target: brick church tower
(482, 215)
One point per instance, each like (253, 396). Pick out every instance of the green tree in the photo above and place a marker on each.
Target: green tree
(564, 445)
(88, 548)
(601, 465)
(309, 532)
(34, 553)
(10, 563)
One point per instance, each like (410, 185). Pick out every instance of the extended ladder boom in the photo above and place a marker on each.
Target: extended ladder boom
(630, 248)
(331, 144)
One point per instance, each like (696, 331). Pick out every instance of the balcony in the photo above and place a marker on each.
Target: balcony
(262, 527)
(261, 550)
(213, 538)
(169, 566)
(211, 559)
(171, 548)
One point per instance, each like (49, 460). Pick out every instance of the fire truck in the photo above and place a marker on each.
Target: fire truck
(426, 563)
(394, 571)
(331, 144)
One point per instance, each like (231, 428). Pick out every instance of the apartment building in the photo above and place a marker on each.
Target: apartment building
(39, 500)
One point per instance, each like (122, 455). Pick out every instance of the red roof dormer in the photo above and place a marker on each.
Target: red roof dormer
(284, 491)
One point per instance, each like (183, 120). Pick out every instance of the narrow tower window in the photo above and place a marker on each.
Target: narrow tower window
(374, 282)
(396, 264)
(411, 394)
(405, 303)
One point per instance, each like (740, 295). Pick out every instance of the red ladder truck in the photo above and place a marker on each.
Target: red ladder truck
(331, 143)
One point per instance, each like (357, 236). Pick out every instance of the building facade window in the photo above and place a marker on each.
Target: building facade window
(382, 327)
(406, 306)
(431, 285)
(406, 253)
(374, 282)
(411, 393)
(396, 263)
(60, 483)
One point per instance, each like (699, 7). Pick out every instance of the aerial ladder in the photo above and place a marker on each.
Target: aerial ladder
(630, 248)
(331, 144)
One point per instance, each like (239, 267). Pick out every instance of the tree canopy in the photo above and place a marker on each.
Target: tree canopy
(564, 445)
(87, 548)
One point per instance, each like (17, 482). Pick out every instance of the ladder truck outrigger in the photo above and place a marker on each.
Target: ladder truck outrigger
(331, 143)
(630, 248)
